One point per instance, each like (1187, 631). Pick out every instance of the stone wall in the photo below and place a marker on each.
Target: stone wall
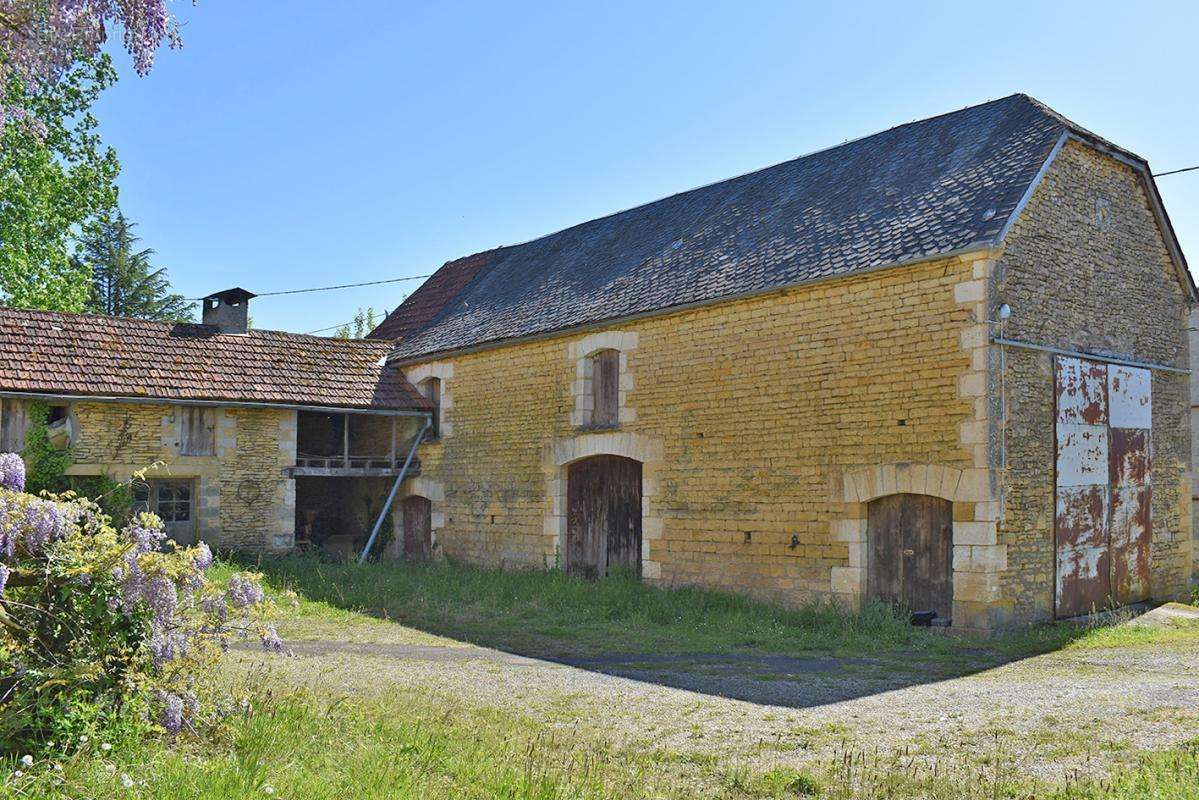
(242, 497)
(747, 416)
(1085, 268)
(1193, 341)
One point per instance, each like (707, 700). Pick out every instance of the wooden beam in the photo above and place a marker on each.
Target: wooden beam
(345, 435)
(350, 472)
(393, 441)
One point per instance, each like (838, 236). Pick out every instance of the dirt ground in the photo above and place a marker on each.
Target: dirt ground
(1066, 713)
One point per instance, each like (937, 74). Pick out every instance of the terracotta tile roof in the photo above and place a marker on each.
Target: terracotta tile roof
(85, 354)
(936, 186)
(423, 304)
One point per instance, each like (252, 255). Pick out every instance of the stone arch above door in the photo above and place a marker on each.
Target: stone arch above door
(559, 455)
(978, 557)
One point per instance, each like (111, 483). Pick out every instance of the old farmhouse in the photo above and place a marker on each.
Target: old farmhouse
(254, 438)
(945, 365)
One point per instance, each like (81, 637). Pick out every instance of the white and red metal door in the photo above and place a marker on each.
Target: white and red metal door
(1102, 523)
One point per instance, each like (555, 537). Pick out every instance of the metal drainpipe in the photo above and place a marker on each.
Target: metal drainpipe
(395, 487)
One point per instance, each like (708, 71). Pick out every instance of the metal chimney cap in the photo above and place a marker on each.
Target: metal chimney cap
(232, 297)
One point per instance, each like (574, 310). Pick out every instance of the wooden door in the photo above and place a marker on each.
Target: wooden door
(909, 556)
(603, 517)
(418, 528)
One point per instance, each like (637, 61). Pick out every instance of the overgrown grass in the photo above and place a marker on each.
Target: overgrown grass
(307, 745)
(302, 745)
(549, 612)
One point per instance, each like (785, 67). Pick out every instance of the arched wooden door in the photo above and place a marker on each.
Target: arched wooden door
(909, 552)
(418, 527)
(603, 516)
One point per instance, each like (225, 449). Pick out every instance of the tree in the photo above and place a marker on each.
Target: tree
(54, 175)
(124, 281)
(40, 40)
(364, 322)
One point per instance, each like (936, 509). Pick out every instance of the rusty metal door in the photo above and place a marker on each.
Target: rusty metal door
(1130, 402)
(909, 555)
(603, 516)
(418, 528)
(1102, 524)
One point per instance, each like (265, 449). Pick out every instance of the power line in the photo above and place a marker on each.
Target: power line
(329, 288)
(330, 328)
(1175, 171)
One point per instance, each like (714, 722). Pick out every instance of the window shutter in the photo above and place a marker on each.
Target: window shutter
(605, 387)
(431, 389)
(199, 431)
(13, 425)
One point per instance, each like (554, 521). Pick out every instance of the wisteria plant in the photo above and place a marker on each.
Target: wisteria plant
(41, 39)
(99, 625)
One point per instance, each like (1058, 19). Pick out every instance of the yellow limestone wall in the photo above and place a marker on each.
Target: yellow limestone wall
(748, 416)
(243, 499)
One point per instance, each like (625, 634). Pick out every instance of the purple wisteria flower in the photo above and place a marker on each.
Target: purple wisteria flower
(162, 598)
(242, 592)
(215, 606)
(271, 641)
(145, 536)
(203, 556)
(171, 715)
(3, 577)
(8, 532)
(166, 647)
(43, 523)
(12, 472)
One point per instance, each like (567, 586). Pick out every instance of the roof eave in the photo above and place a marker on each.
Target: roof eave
(400, 411)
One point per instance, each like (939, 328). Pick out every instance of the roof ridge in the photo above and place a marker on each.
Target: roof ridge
(167, 326)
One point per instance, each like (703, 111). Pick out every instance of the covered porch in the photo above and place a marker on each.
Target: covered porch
(345, 468)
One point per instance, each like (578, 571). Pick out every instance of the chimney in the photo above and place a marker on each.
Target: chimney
(228, 311)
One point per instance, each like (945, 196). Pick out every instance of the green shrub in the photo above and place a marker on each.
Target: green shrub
(104, 628)
(45, 464)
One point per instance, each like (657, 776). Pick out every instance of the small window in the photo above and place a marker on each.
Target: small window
(13, 424)
(198, 431)
(605, 389)
(174, 501)
(430, 389)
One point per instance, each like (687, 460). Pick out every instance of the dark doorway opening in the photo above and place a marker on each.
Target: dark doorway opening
(909, 554)
(336, 514)
(603, 518)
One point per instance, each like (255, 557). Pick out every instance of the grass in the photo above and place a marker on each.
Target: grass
(307, 745)
(549, 613)
(302, 738)
(304, 744)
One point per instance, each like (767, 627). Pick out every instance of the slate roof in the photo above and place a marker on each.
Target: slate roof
(52, 352)
(923, 189)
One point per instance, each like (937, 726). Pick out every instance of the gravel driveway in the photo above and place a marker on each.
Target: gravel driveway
(1075, 711)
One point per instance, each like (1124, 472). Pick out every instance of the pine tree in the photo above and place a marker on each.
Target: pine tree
(124, 280)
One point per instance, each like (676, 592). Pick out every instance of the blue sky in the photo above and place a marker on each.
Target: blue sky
(305, 143)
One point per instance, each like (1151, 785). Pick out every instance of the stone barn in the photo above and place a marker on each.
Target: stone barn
(945, 365)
